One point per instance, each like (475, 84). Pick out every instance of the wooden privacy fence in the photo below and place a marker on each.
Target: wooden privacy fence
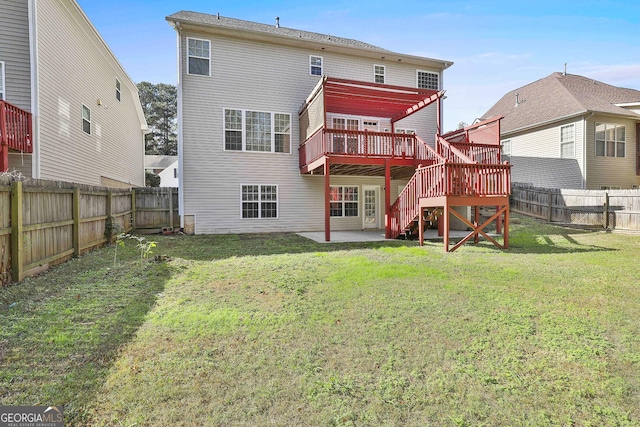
(47, 222)
(611, 209)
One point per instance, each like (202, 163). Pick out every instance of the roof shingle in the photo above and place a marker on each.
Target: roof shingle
(557, 96)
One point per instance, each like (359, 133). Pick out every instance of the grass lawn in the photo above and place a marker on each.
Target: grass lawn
(277, 330)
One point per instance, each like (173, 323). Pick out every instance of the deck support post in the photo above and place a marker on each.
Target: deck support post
(476, 219)
(387, 198)
(4, 157)
(506, 227)
(421, 226)
(4, 143)
(498, 222)
(445, 224)
(327, 203)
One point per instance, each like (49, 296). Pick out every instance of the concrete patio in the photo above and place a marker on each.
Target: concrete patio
(373, 236)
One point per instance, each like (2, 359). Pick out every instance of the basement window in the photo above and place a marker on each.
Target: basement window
(343, 201)
(259, 201)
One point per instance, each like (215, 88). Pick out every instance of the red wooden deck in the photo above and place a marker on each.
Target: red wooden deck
(15, 132)
(463, 169)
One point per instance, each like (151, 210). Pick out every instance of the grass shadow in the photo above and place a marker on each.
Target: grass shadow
(61, 332)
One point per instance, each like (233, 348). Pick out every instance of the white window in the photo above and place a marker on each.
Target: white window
(118, 89)
(567, 142)
(505, 147)
(315, 65)
(259, 201)
(343, 201)
(199, 57)
(428, 80)
(257, 131)
(610, 140)
(2, 91)
(86, 119)
(378, 73)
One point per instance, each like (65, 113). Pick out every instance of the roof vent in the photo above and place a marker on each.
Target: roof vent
(565, 69)
(218, 15)
(277, 22)
(517, 102)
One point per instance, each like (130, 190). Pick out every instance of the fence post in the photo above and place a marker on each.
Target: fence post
(17, 239)
(76, 221)
(550, 205)
(109, 214)
(606, 210)
(133, 209)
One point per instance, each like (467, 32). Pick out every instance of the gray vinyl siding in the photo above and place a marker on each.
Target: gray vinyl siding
(536, 157)
(76, 68)
(14, 52)
(611, 171)
(264, 77)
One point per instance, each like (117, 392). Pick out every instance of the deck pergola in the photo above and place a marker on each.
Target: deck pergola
(369, 153)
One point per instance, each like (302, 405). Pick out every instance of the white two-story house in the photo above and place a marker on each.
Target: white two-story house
(288, 130)
(68, 109)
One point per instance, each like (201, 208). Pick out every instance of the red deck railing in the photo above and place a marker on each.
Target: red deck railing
(15, 127)
(359, 143)
(481, 153)
(448, 179)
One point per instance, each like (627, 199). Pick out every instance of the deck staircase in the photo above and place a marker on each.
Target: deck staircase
(15, 132)
(456, 172)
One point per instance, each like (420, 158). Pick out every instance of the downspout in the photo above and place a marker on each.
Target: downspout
(180, 135)
(584, 149)
(35, 90)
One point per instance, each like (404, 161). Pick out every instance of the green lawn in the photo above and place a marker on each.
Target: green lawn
(276, 330)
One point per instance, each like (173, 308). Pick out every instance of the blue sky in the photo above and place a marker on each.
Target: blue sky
(496, 46)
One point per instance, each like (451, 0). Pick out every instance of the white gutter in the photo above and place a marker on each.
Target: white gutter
(180, 134)
(35, 90)
(584, 148)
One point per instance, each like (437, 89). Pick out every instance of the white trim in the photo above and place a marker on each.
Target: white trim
(615, 141)
(180, 135)
(376, 189)
(428, 72)
(573, 156)
(321, 65)
(35, 89)
(260, 201)
(3, 94)
(343, 201)
(244, 133)
(384, 73)
(198, 57)
(118, 90)
(88, 120)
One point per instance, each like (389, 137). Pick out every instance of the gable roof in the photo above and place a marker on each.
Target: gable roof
(291, 36)
(559, 96)
(156, 161)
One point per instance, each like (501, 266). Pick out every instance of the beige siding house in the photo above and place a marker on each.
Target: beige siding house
(569, 131)
(242, 90)
(88, 125)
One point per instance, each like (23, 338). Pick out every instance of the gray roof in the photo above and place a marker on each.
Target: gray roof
(239, 24)
(557, 96)
(155, 161)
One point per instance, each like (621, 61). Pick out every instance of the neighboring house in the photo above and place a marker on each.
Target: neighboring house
(156, 163)
(169, 176)
(569, 131)
(76, 113)
(287, 130)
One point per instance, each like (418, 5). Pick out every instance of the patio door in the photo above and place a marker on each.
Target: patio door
(373, 142)
(371, 210)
